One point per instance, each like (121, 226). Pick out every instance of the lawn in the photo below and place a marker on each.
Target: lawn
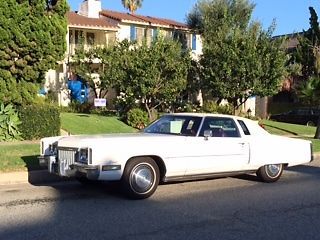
(76, 123)
(281, 128)
(20, 156)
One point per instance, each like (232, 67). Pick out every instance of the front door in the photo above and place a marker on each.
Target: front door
(223, 151)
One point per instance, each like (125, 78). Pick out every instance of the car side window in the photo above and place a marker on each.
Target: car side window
(244, 127)
(219, 127)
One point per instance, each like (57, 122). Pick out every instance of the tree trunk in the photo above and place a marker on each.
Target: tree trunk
(317, 135)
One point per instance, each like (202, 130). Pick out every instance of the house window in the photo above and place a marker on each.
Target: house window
(133, 33)
(78, 37)
(194, 42)
(155, 34)
(70, 37)
(149, 36)
(90, 38)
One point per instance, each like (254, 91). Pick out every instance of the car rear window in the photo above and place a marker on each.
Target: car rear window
(244, 127)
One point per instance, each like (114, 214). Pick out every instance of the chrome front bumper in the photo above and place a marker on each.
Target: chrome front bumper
(63, 169)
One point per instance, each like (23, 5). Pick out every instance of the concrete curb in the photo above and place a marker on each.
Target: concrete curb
(43, 176)
(32, 177)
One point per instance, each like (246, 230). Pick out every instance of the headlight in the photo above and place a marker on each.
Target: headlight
(84, 155)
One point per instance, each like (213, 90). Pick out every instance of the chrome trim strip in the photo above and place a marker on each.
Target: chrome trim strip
(205, 176)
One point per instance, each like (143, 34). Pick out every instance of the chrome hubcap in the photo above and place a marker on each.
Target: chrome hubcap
(273, 170)
(142, 178)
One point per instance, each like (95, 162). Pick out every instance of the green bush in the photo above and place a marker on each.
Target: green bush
(39, 121)
(21, 93)
(137, 118)
(213, 107)
(9, 122)
(76, 107)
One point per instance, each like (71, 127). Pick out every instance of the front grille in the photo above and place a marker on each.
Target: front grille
(66, 157)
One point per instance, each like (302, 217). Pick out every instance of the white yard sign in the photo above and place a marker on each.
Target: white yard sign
(100, 102)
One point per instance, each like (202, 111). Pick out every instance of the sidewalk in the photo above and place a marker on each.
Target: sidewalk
(42, 176)
(32, 177)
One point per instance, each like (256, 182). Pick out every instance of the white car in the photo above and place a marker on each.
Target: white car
(176, 147)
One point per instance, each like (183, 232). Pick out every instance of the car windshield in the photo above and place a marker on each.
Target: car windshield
(175, 125)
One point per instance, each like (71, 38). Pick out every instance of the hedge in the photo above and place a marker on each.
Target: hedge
(39, 121)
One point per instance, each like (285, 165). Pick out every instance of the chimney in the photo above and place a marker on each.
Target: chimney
(90, 8)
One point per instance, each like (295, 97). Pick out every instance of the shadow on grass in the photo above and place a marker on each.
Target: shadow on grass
(281, 129)
(32, 163)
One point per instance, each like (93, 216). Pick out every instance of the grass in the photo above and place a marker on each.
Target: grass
(19, 156)
(281, 128)
(92, 124)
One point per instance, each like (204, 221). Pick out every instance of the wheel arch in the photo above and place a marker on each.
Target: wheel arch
(158, 160)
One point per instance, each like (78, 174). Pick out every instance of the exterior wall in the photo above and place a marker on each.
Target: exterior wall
(196, 53)
(123, 33)
(101, 38)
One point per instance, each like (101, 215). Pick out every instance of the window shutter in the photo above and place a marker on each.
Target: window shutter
(133, 36)
(194, 41)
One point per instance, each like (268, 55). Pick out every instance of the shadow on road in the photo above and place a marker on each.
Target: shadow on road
(305, 169)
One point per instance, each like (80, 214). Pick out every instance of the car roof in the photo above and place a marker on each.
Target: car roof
(208, 115)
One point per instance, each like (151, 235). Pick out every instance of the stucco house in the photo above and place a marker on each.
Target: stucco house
(99, 27)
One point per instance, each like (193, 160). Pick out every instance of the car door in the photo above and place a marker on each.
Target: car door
(224, 151)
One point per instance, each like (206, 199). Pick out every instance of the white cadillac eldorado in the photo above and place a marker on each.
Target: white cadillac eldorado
(176, 147)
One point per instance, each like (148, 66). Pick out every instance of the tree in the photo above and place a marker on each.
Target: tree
(155, 74)
(308, 52)
(32, 40)
(308, 56)
(101, 68)
(239, 58)
(132, 5)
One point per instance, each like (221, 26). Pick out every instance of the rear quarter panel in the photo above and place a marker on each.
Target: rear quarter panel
(276, 149)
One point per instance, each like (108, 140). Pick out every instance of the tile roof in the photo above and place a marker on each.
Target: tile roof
(75, 19)
(119, 16)
(291, 40)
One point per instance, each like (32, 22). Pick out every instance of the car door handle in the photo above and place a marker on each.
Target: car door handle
(242, 143)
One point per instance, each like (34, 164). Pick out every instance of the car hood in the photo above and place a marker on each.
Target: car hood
(110, 139)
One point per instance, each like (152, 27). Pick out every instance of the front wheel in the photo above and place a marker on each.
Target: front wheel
(140, 178)
(270, 173)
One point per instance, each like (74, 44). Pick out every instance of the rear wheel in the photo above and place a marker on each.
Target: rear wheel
(140, 178)
(270, 173)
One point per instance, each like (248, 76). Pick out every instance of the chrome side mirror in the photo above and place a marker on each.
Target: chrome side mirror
(207, 134)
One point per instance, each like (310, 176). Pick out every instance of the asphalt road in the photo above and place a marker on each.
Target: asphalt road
(225, 208)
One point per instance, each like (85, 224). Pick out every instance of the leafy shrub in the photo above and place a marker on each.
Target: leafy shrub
(213, 107)
(21, 93)
(39, 121)
(137, 118)
(123, 104)
(9, 122)
(103, 111)
(76, 107)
